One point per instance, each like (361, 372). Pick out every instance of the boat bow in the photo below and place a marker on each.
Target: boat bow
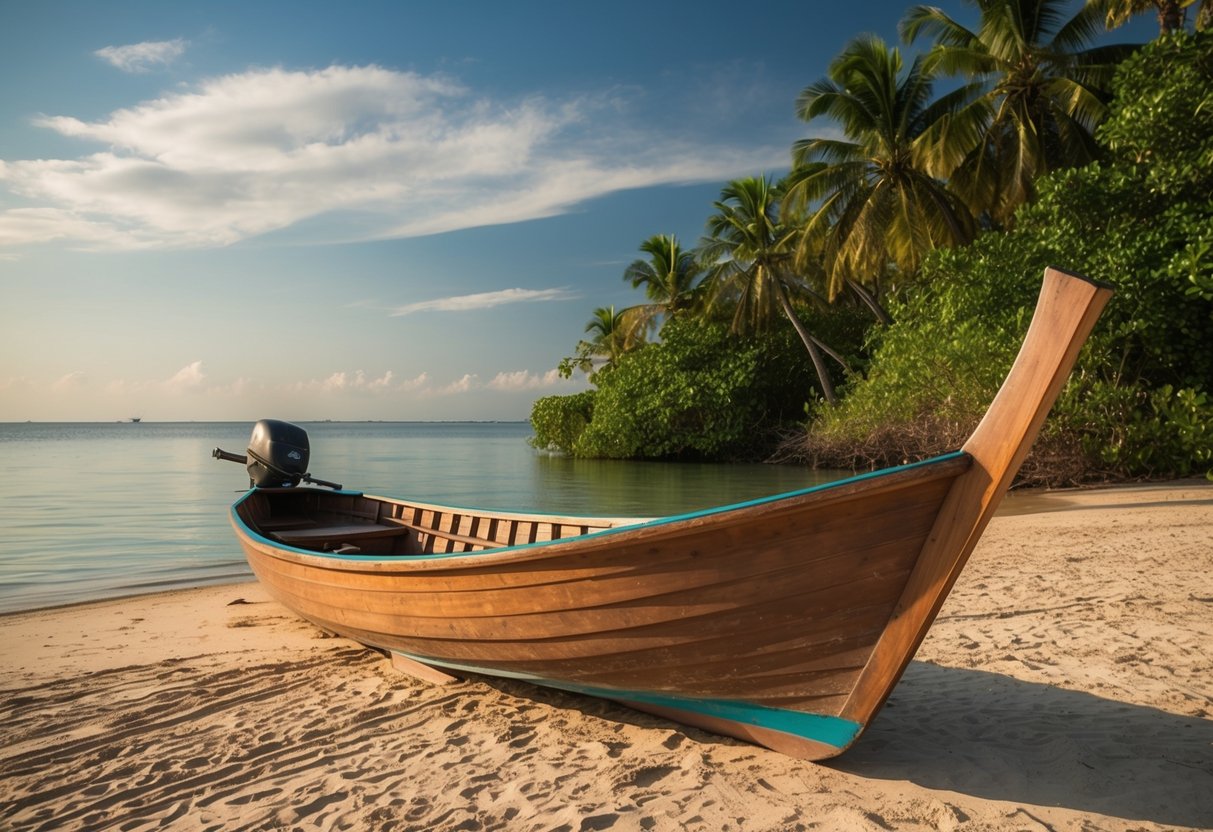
(1066, 312)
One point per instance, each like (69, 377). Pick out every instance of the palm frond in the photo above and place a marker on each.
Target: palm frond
(934, 23)
(1080, 30)
(807, 103)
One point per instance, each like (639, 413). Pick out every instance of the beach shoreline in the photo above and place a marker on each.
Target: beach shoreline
(1067, 684)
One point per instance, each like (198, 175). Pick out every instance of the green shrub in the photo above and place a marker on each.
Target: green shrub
(558, 421)
(1138, 404)
(700, 393)
(1162, 111)
(1146, 433)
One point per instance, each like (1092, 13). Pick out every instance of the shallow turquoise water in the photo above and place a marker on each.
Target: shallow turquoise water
(101, 510)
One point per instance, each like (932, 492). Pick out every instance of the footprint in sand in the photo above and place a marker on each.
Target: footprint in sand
(420, 808)
(645, 777)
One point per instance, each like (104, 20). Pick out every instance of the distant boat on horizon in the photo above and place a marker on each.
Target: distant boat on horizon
(134, 420)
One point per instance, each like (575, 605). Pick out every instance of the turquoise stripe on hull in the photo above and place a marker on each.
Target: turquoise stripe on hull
(829, 730)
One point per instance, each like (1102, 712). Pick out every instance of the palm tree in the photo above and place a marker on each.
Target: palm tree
(1117, 13)
(1043, 93)
(611, 335)
(668, 278)
(749, 255)
(874, 198)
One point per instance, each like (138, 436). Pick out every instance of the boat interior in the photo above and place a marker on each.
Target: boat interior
(350, 523)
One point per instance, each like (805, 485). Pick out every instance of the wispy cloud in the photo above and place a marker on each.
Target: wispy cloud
(191, 391)
(40, 225)
(526, 380)
(189, 377)
(469, 382)
(483, 300)
(359, 382)
(142, 57)
(389, 153)
(71, 381)
(189, 380)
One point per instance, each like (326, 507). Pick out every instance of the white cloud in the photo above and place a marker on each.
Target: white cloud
(389, 153)
(189, 377)
(193, 392)
(469, 382)
(71, 381)
(413, 384)
(526, 380)
(40, 225)
(141, 57)
(240, 387)
(483, 300)
(359, 382)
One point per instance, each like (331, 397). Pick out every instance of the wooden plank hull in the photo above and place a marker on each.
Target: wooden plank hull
(764, 612)
(770, 620)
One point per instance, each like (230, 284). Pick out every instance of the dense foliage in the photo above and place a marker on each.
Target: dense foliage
(798, 259)
(1141, 401)
(701, 392)
(558, 421)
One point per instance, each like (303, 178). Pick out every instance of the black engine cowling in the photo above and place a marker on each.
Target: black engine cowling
(277, 454)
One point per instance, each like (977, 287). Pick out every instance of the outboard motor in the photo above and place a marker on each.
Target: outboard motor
(277, 454)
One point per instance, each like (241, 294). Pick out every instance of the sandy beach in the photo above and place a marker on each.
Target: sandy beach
(1067, 685)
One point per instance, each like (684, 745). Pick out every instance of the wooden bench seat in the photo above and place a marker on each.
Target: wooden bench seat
(347, 533)
(287, 521)
(317, 535)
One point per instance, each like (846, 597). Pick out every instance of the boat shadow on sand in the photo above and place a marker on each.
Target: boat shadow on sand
(1001, 738)
(996, 737)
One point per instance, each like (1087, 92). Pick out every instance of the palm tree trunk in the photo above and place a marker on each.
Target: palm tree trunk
(1170, 16)
(869, 300)
(827, 386)
(959, 235)
(832, 353)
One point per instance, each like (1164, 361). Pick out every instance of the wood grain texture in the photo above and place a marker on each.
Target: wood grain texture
(1066, 312)
(774, 604)
(810, 603)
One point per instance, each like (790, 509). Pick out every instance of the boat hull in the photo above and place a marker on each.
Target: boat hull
(786, 621)
(752, 621)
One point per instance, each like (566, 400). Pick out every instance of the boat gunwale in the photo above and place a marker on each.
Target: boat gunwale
(539, 548)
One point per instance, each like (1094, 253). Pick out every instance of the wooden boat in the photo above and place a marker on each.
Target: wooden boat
(785, 621)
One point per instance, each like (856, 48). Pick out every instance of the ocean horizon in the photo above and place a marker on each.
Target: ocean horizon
(95, 510)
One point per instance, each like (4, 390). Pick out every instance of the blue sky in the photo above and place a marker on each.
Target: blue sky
(365, 210)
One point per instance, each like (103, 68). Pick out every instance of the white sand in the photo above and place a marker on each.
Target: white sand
(1067, 685)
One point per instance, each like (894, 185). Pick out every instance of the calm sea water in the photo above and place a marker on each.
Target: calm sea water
(91, 511)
